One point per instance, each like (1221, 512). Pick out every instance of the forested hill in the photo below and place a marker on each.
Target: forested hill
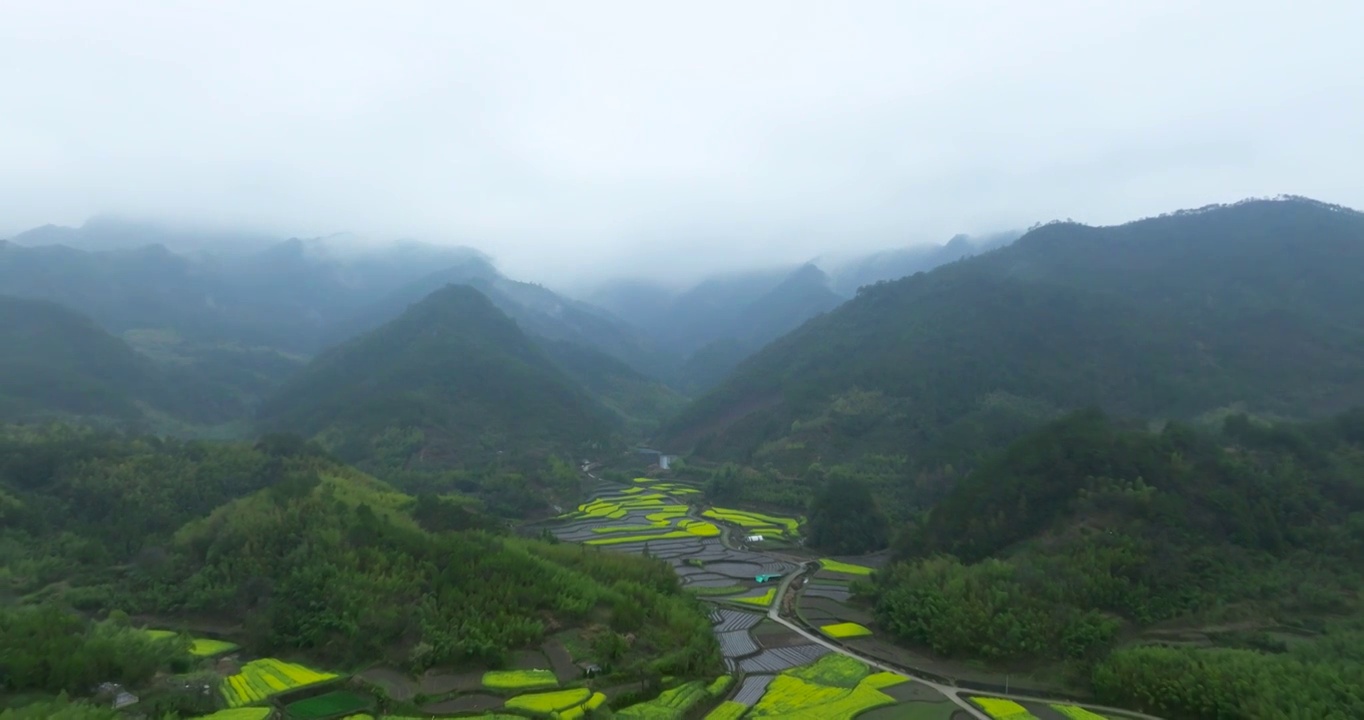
(57, 363)
(451, 382)
(1228, 558)
(1257, 305)
(298, 554)
(539, 311)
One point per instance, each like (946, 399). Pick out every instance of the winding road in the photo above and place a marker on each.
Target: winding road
(952, 692)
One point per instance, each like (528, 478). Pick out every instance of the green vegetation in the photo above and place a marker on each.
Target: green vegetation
(449, 384)
(914, 382)
(326, 562)
(261, 679)
(727, 710)
(834, 670)
(1258, 525)
(755, 521)
(1074, 712)
(762, 600)
(672, 704)
(46, 649)
(352, 573)
(844, 630)
(640, 402)
(62, 708)
(846, 519)
(199, 647)
(1002, 709)
(1320, 680)
(519, 679)
(326, 705)
(54, 361)
(548, 702)
(253, 713)
(835, 687)
(846, 568)
(208, 647)
(707, 591)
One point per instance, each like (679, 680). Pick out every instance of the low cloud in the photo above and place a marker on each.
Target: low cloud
(594, 138)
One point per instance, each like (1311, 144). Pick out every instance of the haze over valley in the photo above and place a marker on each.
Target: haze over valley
(608, 360)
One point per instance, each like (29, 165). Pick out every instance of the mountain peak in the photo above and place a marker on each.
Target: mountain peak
(454, 373)
(809, 273)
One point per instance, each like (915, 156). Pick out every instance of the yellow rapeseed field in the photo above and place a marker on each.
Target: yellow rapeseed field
(519, 679)
(260, 679)
(842, 567)
(550, 702)
(1001, 709)
(844, 630)
(1075, 712)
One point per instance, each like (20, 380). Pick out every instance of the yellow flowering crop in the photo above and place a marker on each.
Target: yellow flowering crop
(762, 600)
(519, 679)
(844, 630)
(255, 713)
(884, 680)
(842, 567)
(746, 519)
(208, 647)
(1001, 709)
(616, 540)
(548, 702)
(1074, 712)
(260, 679)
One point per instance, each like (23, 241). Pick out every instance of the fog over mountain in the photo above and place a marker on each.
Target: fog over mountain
(583, 141)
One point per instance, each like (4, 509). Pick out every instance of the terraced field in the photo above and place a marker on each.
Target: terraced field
(261, 679)
(650, 515)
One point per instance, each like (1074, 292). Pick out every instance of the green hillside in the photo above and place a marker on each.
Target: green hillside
(743, 329)
(640, 402)
(286, 550)
(1227, 558)
(452, 382)
(55, 362)
(540, 312)
(1256, 306)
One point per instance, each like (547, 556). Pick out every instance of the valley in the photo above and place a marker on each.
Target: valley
(779, 611)
(1038, 482)
(611, 360)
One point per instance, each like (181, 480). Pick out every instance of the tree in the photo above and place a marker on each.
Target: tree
(845, 518)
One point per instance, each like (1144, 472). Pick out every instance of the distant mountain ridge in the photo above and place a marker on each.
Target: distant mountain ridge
(719, 322)
(538, 311)
(848, 276)
(56, 364)
(1257, 305)
(249, 317)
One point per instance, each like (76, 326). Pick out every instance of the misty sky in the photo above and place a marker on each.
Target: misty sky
(582, 137)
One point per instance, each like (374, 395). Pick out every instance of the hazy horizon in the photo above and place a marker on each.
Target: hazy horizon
(585, 141)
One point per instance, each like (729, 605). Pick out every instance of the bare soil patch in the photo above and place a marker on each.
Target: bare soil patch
(561, 661)
(915, 691)
(464, 703)
(397, 684)
(529, 660)
(435, 682)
